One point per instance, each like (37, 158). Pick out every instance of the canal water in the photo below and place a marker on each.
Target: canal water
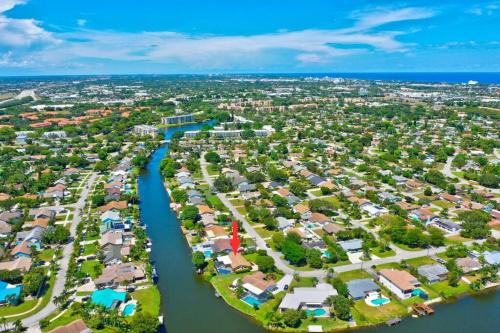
(189, 304)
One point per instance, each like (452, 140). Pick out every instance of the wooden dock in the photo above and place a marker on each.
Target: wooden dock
(422, 309)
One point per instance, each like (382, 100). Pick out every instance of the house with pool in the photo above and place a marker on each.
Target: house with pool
(258, 288)
(361, 288)
(311, 299)
(401, 283)
(232, 263)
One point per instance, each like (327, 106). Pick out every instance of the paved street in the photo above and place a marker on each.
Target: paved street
(319, 273)
(63, 264)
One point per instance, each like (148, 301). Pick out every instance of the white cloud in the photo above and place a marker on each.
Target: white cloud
(6, 5)
(207, 51)
(20, 32)
(386, 16)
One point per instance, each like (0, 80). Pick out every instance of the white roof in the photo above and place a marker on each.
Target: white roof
(225, 260)
(253, 289)
(301, 296)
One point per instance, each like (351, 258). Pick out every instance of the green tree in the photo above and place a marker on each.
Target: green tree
(198, 260)
(143, 322)
(341, 306)
(293, 318)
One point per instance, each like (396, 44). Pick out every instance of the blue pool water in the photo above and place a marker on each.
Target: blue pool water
(128, 309)
(207, 253)
(223, 271)
(316, 312)
(379, 301)
(251, 300)
(106, 297)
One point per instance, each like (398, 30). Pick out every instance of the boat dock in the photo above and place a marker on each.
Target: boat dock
(393, 321)
(422, 309)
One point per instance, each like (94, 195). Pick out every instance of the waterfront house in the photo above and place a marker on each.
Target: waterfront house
(114, 275)
(307, 297)
(258, 285)
(433, 273)
(468, 264)
(399, 282)
(360, 288)
(234, 263)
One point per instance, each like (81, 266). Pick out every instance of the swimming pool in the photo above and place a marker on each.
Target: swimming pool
(316, 312)
(380, 301)
(106, 297)
(223, 271)
(250, 300)
(207, 253)
(129, 309)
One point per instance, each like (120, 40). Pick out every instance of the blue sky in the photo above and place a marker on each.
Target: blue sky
(131, 36)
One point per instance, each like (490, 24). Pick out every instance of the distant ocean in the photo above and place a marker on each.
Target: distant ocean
(430, 77)
(434, 77)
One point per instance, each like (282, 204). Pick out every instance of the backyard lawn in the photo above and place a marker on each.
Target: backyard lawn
(149, 300)
(444, 289)
(375, 315)
(89, 249)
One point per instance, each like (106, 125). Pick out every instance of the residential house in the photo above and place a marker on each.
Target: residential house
(308, 297)
(360, 288)
(351, 245)
(372, 209)
(119, 274)
(77, 326)
(399, 282)
(433, 273)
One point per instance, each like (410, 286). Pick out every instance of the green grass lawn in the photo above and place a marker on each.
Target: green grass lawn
(242, 210)
(334, 200)
(420, 261)
(407, 248)
(222, 283)
(373, 315)
(215, 202)
(212, 170)
(66, 318)
(383, 254)
(444, 289)
(237, 202)
(316, 192)
(12, 310)
(32, 306)
(353, 275)
(46, 255)
(304, 282)
(88, 267)
(149, 300)
(89, 249)
(264, 233)
(394, 265)
(443, 204)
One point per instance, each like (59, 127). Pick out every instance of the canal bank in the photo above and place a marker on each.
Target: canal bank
(189, 304)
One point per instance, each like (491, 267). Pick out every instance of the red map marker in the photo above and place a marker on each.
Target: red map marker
(235, 241)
